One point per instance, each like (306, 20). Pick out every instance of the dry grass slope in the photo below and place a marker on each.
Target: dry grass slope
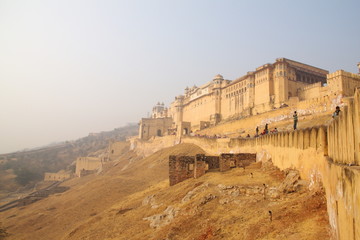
(58, 215)
(111, 206)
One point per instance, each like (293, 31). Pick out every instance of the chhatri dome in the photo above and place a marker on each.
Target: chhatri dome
(219, 76)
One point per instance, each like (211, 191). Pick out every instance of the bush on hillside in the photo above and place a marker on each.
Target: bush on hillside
(3, 234)
(25, 176)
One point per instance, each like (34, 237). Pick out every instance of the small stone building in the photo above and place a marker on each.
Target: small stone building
(185, 167)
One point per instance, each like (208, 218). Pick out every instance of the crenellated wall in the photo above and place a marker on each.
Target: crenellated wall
(344, 133)
(146, 148)
(306, 150)
(56, 176)
(299, 149)
(327, 155)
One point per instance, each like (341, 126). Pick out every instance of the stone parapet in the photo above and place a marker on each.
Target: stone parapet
(339, 73)
(344, 133)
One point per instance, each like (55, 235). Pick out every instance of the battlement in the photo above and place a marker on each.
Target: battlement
(56, 176)
(328, 155)
(342, 73)
(314, 85)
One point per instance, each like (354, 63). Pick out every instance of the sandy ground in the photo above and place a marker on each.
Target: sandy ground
(111, 206)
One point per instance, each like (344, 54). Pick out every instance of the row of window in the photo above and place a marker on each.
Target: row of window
(261, 80)
(238, 92)
(236, 86)
(280, 66)
(262, 73)
(308, 79)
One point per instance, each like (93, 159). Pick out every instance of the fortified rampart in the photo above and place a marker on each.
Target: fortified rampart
(284, 83)
(56, 176)
(327, 155)
(86, 165)
(344, 134)
(322, 154)
(308, 109)
(146, 148)
(116, 149)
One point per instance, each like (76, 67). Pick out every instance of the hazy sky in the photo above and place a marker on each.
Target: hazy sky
(68, 68)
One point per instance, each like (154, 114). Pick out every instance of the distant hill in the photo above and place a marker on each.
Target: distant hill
(24, 168)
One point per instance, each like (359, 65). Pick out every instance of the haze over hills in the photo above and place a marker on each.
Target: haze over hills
(26, 168)
(231, 78)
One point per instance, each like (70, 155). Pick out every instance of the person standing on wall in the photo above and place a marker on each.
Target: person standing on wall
(257, 131)
(337, 112)
(295, 116)
(266, 130)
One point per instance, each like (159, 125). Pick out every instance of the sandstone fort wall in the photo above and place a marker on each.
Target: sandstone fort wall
(322, 155)
(284, 83)
(87, 164)
(56, 176)
(117, 148)
(271, 93)
(305, 150)
(146, 148)
(344, 134)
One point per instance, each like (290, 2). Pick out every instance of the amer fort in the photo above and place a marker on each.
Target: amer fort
(221, 117)
(283, 84)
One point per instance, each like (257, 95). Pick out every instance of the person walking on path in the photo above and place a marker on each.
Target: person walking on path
(257, 131)
(295, 116)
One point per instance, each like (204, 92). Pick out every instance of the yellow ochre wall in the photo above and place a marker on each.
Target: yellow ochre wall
(199, 110)
(56, 176)
(327, 155)
(270, 86)
(344, 133)
(343, 82)
(87, 163)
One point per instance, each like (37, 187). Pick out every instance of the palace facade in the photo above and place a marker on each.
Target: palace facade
(270, 86)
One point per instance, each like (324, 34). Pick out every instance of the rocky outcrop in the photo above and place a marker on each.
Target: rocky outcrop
(150, 200)
(192, 194)
(291, 182)
(164, 218)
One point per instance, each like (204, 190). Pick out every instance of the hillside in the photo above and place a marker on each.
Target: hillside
(133, 200)
(26, 168)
